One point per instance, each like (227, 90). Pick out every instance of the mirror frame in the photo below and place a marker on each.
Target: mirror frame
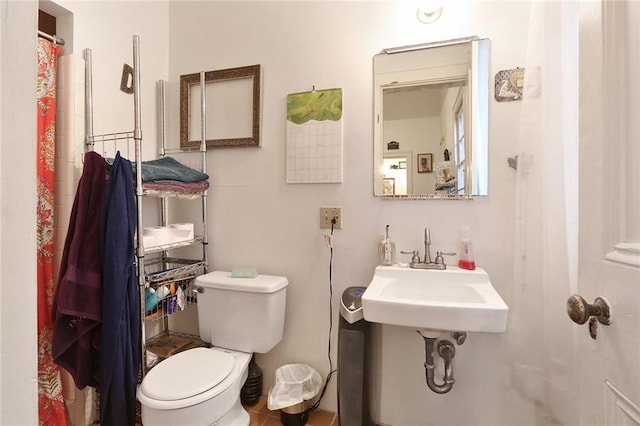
(220, 76)
(478, 83)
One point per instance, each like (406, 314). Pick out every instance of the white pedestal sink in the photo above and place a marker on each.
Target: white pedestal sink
(453, 299)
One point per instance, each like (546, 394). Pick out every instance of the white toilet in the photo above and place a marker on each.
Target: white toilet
(202, 386)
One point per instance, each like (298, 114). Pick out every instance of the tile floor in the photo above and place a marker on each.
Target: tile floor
(261, 416)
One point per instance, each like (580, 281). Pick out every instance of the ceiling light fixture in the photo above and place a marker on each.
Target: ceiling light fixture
(429, 13)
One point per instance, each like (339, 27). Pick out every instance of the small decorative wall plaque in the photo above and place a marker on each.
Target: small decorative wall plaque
(509, 85)
(393, 145)
(126, 82)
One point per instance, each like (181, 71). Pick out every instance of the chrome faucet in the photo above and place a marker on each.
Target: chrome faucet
(416, 263)
(427, 245)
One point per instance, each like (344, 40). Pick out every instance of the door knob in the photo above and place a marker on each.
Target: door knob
(580, 311)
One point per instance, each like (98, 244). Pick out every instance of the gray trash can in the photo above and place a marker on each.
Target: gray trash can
(353, 360)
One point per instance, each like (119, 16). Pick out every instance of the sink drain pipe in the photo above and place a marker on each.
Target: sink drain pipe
(447, 351)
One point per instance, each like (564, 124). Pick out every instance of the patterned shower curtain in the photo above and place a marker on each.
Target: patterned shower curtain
(51, 408)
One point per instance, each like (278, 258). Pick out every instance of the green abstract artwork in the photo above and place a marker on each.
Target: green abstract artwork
(319, 105)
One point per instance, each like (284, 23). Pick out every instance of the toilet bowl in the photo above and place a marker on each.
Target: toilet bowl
(196, 387)
(202, 386)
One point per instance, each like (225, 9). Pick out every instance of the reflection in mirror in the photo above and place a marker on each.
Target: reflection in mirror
(431, 112)
(397, 169)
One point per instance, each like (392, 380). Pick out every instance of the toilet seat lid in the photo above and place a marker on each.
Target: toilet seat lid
(187, 374)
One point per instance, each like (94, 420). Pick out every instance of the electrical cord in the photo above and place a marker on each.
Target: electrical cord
(331, 369)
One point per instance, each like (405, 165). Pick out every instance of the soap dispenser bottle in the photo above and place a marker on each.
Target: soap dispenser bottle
(387, 250)
(466, 260)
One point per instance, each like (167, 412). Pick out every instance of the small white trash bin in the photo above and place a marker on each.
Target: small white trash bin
(296, 385)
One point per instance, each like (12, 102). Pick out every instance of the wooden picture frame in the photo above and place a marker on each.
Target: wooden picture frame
(425, 163)
(232, 107)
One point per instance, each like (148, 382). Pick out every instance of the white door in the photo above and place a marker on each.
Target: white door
(609, 194)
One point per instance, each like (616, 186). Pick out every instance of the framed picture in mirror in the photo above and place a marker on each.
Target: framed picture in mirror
(388, 186)
(425, 163)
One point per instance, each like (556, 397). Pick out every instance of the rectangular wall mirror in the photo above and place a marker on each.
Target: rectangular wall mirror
(431, 106)
(232, 107)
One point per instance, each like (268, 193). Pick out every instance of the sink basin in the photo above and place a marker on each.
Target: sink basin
(453, 299)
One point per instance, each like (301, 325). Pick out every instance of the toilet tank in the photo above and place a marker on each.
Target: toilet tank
(243, 314)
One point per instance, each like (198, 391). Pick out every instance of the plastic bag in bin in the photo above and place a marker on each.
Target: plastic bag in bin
(295, 383)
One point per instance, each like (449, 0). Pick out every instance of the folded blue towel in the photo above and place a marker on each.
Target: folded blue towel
(168, 168)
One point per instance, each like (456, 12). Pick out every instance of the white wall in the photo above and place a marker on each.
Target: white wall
(18, 351)
(418, 135)
(257, 219)
(107, 29)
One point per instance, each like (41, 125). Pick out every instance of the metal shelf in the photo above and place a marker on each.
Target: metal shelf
(160, 269)
(171, 246)
(171, 268)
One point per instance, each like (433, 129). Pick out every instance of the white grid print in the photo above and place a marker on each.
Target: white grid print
(314, 152)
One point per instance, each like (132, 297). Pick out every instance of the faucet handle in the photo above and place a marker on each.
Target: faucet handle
(440, 259)
(414, 255)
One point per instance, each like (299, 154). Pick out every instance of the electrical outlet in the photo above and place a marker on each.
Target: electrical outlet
(328, 213)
